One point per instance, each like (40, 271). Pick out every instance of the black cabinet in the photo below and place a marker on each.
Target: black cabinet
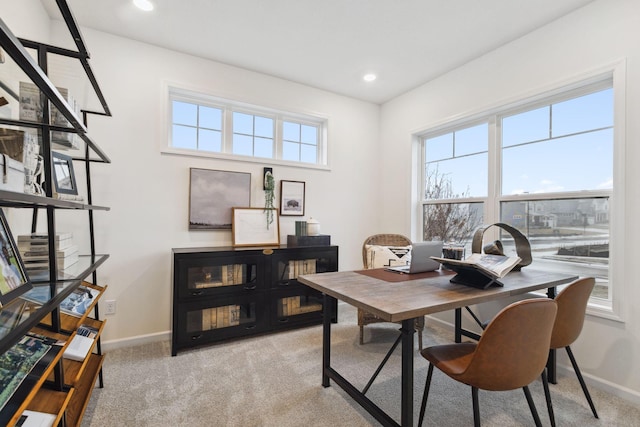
(223, 293)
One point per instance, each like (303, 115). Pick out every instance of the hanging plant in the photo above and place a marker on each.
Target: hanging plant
(269, 195)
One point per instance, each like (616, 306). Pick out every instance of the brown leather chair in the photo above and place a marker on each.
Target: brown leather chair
(511, 353)
(364, 317)
(572, 306)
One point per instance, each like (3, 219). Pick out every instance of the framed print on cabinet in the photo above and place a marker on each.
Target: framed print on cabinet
(292, 198)
(251, 228)
(212, 195)
(13, 278)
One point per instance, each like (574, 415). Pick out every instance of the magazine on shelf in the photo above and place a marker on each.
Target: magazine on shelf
(495, 266)
(75, 304)
(15, 366)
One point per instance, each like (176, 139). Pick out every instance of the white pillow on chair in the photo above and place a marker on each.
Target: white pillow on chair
(387, 256)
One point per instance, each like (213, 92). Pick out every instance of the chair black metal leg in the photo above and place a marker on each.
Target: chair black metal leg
(425, 395)
(532, 406)
(476, 407)
(547, 396)
(582, 383)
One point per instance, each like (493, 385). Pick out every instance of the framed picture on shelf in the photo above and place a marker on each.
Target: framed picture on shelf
(212, 195)
(64, 179)
(255, 227)
(13, 278)
(292, 198)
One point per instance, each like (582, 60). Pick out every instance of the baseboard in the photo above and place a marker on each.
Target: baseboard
(591, 380)
(135, 341)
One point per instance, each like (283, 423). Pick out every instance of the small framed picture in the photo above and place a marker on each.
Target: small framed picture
(13, 278)
(292, 198)
(255, 227)
(64, 180)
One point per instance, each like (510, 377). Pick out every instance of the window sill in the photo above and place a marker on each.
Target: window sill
(260, 160)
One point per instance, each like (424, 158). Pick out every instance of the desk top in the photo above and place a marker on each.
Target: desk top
(394, 301)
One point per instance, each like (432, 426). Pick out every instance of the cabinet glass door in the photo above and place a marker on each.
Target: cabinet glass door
(307, 261)
(296, 305)
(212, 318)
(215, 275)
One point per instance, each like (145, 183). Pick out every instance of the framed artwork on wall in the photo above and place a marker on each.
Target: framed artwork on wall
(13, 278)
(64, 179)
(251, 227)
(292, 198)
(213, 194)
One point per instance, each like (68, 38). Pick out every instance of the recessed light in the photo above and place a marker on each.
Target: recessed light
(369, 77)
(145, 5)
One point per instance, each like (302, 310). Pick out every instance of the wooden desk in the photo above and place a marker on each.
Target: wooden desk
(403, 301)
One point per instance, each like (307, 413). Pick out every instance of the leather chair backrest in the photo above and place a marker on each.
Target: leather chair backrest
(572, 306)
(514, 348)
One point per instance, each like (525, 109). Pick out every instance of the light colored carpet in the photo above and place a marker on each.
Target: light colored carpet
(274, 380)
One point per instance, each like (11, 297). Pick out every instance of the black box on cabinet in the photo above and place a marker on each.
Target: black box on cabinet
(298, 241)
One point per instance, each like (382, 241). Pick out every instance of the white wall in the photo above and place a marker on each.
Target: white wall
(148, 191)
(599, 34)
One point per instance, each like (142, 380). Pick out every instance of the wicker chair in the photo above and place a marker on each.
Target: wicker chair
(366, 318)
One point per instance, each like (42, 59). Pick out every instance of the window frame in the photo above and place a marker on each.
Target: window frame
(612, 76)
(228, 107)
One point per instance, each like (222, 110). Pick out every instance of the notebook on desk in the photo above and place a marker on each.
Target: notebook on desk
(421, 253)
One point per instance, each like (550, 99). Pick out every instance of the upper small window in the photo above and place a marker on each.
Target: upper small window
(197, 127)
(211, 125)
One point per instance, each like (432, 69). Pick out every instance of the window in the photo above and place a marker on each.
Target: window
(210, 126)
(545, 167)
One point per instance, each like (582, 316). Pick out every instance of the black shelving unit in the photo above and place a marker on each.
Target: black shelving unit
(62, 378)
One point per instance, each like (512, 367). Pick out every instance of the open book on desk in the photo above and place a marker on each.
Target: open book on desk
(480, 270)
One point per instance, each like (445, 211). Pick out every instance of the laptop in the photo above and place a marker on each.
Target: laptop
(421, 253)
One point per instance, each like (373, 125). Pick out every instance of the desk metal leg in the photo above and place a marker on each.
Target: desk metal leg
(408, 330)
(458, 325)
(328, 302)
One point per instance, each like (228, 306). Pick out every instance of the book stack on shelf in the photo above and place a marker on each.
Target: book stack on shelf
(301, 266)
(229, 275)
(34, 249)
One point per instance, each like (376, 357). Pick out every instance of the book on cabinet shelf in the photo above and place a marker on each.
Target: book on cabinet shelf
(220, 317)
(290, 306)
(301, 266)
(229, 275)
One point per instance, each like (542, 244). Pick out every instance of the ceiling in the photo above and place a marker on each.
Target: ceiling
(330, 44)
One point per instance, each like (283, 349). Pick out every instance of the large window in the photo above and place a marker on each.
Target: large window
(206, 125)
(544, 167)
